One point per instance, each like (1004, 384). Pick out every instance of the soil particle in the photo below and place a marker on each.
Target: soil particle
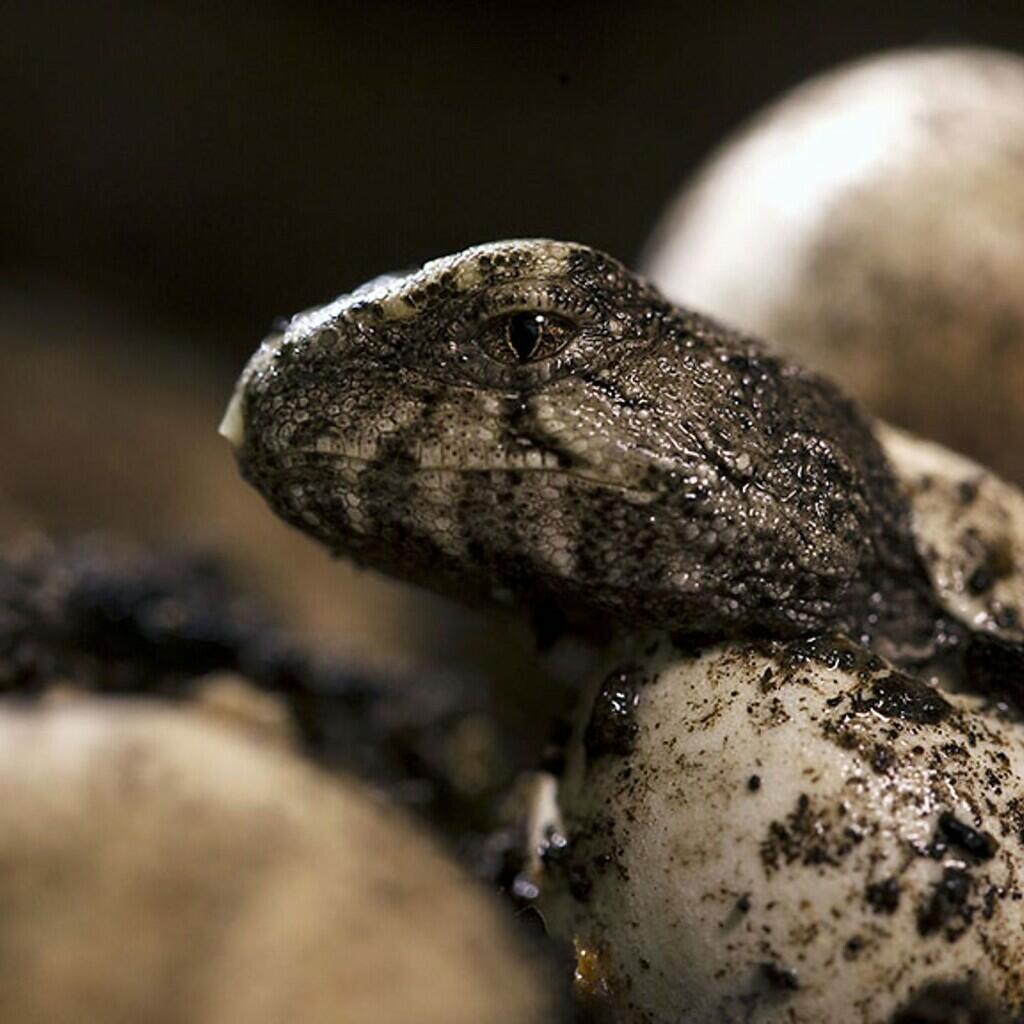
(967, 491)
(906, 698)
(808, 835)
(997, 564)
(969, 840)
(780, 977)
(947, 907)
(883, 897)
(882, 758)
(612, 729)
(834, 652)
(950, 1002)
(592, 850)
(981, 580)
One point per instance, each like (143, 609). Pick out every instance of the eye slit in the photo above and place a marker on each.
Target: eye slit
(525, 331)
(529, 336)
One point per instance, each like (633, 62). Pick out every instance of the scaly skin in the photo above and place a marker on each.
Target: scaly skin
(644, 463)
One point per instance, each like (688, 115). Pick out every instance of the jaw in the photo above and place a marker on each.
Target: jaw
(542, 538)
(501, 527)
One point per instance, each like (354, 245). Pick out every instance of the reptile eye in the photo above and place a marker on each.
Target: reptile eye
(525, 337)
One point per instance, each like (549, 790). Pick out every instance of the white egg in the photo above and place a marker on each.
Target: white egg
(159, 867)
(872, 222)
(788, 832)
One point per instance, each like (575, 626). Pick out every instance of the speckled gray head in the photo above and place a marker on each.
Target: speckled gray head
(528, 420)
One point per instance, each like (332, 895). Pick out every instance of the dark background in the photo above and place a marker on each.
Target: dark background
(211, 166)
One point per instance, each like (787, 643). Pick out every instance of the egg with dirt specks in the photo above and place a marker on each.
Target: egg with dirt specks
(788, 831)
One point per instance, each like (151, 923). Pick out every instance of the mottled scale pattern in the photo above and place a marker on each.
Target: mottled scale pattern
(649, 466)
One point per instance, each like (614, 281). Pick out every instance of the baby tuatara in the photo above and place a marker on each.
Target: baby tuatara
(528, 420)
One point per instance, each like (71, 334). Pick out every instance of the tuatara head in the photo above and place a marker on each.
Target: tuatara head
(528, 420)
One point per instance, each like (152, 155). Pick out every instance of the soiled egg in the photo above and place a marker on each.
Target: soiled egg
(793, 832)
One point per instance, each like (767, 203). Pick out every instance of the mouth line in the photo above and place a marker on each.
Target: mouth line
(414, 467)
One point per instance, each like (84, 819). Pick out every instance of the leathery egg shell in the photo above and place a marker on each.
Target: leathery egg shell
(159, 866)
(869, 222)
(788, 832)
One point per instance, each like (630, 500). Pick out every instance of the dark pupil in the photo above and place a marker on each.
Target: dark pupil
(524, 334)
